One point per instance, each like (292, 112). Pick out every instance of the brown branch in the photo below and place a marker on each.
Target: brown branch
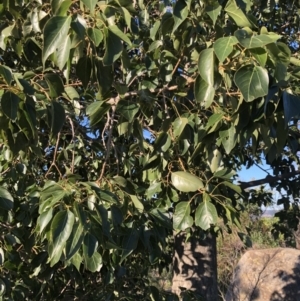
(268, 179)
(73, 142)
(115, 100)
(109, 143)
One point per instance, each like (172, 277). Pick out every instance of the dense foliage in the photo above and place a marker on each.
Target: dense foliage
(121, 121)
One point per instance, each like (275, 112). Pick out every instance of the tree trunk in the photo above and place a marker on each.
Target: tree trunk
(195, 266)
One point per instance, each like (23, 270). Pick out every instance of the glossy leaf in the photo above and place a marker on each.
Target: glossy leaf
(90, 4)
(224, 46)
(260, 55)
(249, 40)
(180, 13)
(55, 84)
(181, 218)
(90, 245)
(237, 14)
(6, 200)
(213, 11)
(10, 104)
(58, 117)
(63, 53)
(137, 203)
(206, 213)
(291, 104)
(95, 35)
(85, 64)
(179, 125)
(75, 240)
(186, 182)
(60, 230)
(96, 111)
(6, 73)
(94, 263)
(204, 93)
(228, 138)
(55, 34)
(129, 243)
(44, 219)
(206, 65)
(128, 110)
(252, 81)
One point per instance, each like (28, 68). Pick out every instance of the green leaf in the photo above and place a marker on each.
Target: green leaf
(206, 65)
(214, 119)
(204, 93)
(279, 52)
(76, 260)
(10, 104)
(84, 70)
(180, 13)
(93, 263)
(137, 203)
(2, 258)
(75, 241)
(96, 111)
(224, 46)
(119, 33)
(213, 11)
(179, 125)
(234, 187)
(127, 17)
(248, 40)
(63, 7)
(127, 109)
(90, 245)
(228, 138)
(260, 55)
(206, 213)
(95, 35)
(116, 214)
(237, 14)
(186, 182)
(103, 214)
(6, 73)
(44, 219)
(105, 78)
(55, 33)
(253, 81)
(60, 230)
(163, 142)
(6, 200)
(113, 48)
(90, 4)
(214, 160)
(161, 217)
(58, 117)
(181, 218)
(129, 243)
(154, 30)
(55, 84)
(291, 105)
(63, 53)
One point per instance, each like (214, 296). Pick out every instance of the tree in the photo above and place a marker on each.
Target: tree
(123, 122)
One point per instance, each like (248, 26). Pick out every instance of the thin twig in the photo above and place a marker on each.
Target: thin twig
(73, 143)
(109, 144)
(54, 158)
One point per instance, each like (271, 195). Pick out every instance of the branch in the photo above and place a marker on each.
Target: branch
(269, 179)
(115, 100)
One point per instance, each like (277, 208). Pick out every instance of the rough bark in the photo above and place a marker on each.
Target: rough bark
(195, 266)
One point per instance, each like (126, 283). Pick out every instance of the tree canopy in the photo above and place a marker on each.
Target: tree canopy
(122, 121)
